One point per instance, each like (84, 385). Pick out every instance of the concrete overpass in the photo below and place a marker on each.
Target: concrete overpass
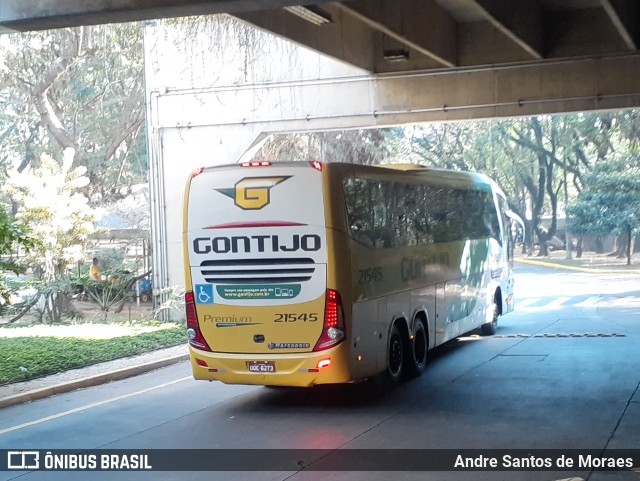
(479, 58)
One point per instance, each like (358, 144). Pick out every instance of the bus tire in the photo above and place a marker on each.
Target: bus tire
(490, 328)
(396, 355)
(418, 346)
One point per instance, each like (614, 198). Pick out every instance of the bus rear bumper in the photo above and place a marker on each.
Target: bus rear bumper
(294, 369)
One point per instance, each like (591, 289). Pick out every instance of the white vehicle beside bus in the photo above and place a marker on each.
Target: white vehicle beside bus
(305, 273)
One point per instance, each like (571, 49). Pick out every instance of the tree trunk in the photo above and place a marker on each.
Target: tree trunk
(623, 242)
(544, 236)
(579, 248)
(544, 249)
(26, 309)
(629, 246)
(599, 246)
(531, 238)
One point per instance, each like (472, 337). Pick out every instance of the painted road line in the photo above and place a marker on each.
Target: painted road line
(91, 406)
(545, 306)
(589, 302)
(557, 302)
(627, 301)
(527, 302)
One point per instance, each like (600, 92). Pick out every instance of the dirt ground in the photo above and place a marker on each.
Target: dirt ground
(89, 313)
(130, 312)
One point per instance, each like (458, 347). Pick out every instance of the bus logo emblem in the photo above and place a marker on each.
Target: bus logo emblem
(252, 193)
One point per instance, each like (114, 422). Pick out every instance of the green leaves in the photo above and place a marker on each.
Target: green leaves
(14, 235)
(49, 202)
(610, 200)
(75, 88)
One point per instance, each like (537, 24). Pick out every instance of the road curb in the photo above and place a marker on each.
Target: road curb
(89, 381)
(586, 270)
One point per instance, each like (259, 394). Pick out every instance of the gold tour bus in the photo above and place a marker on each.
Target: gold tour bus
(304, 273)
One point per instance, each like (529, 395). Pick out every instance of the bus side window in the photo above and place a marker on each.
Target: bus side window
(358, 209)
(508, 226)
(383, 235)
(366, 212)
(492, 224)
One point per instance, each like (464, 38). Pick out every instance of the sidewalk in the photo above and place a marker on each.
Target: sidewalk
(21, 392)
(590, 263)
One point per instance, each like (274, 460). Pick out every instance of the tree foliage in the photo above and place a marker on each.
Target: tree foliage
(364, 147)
(78, 88)
(14, 236)
(610, 201)
(71, 137)
(50, 201)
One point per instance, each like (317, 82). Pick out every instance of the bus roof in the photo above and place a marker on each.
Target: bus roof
(399, 172)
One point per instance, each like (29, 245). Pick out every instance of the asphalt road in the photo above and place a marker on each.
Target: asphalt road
(563, 372)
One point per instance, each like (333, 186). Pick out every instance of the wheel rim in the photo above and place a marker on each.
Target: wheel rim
(395, 355)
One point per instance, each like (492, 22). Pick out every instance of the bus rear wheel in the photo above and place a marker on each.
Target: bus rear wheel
(395, 360)
(417, 359)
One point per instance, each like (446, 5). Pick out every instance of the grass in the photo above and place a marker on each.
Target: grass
(23, 358)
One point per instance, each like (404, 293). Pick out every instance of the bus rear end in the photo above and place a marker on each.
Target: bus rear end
(259, 310)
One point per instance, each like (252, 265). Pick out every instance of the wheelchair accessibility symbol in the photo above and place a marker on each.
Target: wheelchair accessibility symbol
(204, 294)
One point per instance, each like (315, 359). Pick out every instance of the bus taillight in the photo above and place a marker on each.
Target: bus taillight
(193, 328)
(333, 329)
(197, 172)
(316, 165)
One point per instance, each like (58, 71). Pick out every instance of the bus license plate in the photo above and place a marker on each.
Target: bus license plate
(261, 366)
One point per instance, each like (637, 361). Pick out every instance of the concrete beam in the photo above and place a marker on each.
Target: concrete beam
(528, 89)
(624, 16)
(22, 16)
(414, 61)
(345, 38)
(422, 25)
(522, 24)
(384, 100)
(481, 43)
(588, 32)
